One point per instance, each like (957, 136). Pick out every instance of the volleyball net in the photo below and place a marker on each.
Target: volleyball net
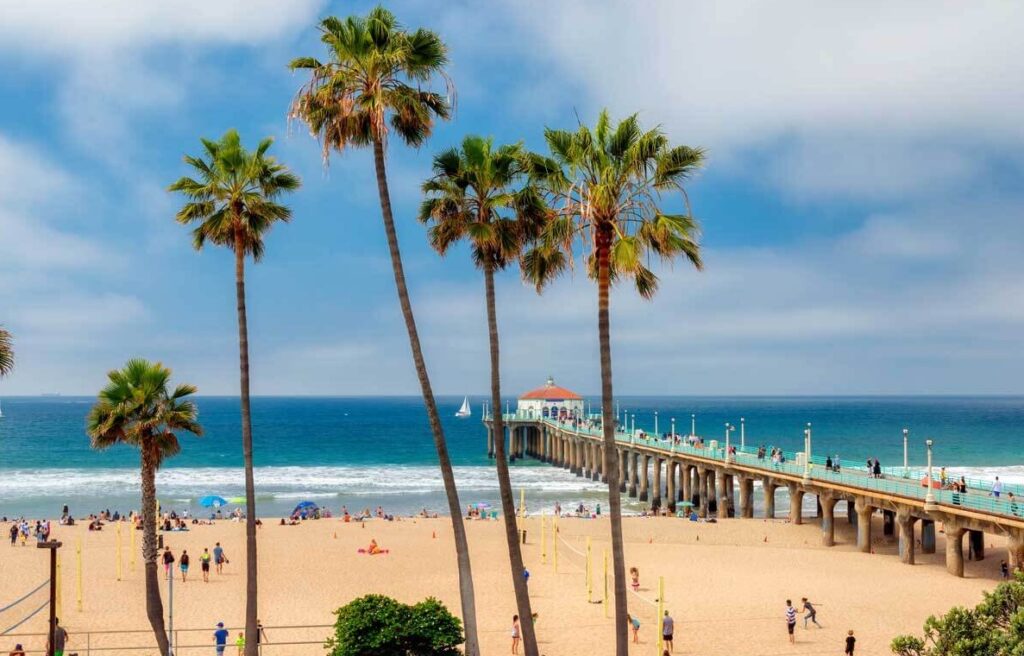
(14, 614)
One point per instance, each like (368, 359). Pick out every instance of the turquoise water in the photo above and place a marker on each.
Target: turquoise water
(378, 451)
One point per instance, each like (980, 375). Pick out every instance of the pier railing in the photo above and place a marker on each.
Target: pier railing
(894, 480)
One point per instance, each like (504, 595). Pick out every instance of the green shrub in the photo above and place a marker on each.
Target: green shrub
(376, 625)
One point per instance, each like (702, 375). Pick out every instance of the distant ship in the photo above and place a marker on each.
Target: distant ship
(1, 412)
(464, 411)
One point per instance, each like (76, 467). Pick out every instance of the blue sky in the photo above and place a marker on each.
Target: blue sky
(862, 204)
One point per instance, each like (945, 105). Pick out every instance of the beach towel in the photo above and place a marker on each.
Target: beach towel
(382, 551)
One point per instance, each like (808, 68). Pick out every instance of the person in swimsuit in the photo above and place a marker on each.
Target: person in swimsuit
(168, 560)
(635, 623)
(183, 565)
(634, 574)
(515, 634)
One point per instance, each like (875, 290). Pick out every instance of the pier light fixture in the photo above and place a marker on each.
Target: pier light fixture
(728, 429)
(656, 433)
(673, 429)
(906, 468)
(693, 425)
(632, 424)
(929, 497)
(807, 453)
(743, 435)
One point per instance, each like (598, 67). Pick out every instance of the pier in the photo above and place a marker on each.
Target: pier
(682, 474)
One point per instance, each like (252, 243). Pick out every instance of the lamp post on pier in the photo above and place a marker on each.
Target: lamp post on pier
(906, 469)
(743, 436)
(656, 433)
(632, 424)
(673, 430)
(728, 429)
(929, 497)
(693, 425)
(807, 453)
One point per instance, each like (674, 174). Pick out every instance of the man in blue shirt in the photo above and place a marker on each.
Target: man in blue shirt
(220, 637)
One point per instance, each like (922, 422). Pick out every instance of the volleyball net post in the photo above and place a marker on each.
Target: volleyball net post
(78, 577)
(605, 600)
(131, 556)
(661, 615)
(543, 541)
(590, 578)
(118, 551)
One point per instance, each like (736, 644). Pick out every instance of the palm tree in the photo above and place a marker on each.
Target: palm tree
(138, 408)
(370, 88)
(481, 194)
(608, 184)
(234, 201)
(6, 353)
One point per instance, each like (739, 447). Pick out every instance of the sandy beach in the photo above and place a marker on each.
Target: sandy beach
(725, 584)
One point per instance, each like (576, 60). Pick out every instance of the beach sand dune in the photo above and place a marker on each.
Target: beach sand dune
(725, 584)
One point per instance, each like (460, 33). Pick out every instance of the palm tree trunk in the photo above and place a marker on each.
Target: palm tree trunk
(508, 508)
(251, 572)
(154, 604)
(466, 593)
(611, 460)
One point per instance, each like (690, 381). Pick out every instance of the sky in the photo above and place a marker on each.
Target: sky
(862, 204)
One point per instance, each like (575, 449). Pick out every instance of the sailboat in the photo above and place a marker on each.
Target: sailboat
(464, 411)
(1, 413)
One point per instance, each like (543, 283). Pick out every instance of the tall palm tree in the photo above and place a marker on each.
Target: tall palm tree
(233, 199)
(369, 89)
(482, 194)
(138, 408)
(6, 352)
(608, 184)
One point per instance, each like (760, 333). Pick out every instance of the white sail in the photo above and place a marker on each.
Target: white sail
(464, 411)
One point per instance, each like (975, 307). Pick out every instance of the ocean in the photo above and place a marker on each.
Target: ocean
(365, 452)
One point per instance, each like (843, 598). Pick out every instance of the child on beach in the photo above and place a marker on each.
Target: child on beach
(240, 643)
(851, 642)
(515, 634)
(634, 575)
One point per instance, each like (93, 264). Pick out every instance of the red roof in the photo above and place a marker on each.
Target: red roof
(551, 392)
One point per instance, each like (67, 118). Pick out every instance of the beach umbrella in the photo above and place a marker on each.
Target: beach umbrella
(212, 500)
(305, 505)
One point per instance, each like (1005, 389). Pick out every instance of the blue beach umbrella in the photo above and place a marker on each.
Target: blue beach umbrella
(213, 500)
(305, 505)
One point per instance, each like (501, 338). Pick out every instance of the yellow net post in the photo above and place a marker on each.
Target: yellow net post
(661, 614)
(554, 540)
(59, 593)
(590, 579)
(522, 503)
(131, 557)
(543, 541)
(78, 577)
(118, 550)
(605, 602)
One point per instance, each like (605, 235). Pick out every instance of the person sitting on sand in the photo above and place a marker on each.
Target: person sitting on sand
(373, 549)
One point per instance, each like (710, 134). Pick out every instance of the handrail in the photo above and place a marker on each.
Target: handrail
(890, 482)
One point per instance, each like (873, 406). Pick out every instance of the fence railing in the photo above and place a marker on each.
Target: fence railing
(894, 480)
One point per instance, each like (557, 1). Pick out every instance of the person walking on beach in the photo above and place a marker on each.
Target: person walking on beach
(168, 560)
(851, 642)
(219, 558)
(14, 533)
(204, 563)
(811, 615)
(183, 565)
(515, 634)
(220, 638)
(790, 620)
(240, 643)
(261, 636)
(667, 629)
(60, 638)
